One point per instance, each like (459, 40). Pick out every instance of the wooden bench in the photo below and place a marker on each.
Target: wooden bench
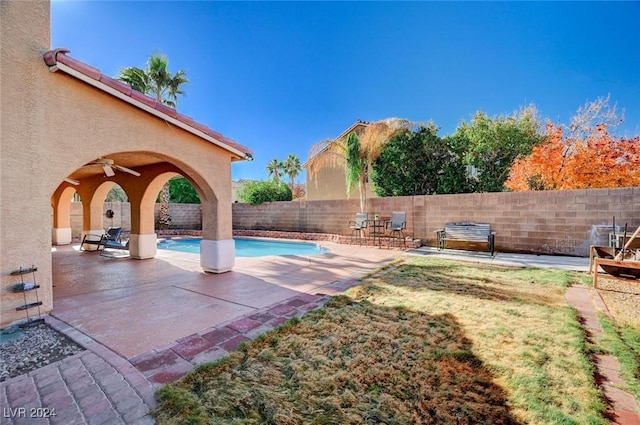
(467, 232)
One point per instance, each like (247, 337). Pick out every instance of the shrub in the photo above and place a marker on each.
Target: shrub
(256, 193)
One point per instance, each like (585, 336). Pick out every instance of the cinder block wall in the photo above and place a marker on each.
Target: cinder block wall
(183, 216)
(121, 217)
(550, 222)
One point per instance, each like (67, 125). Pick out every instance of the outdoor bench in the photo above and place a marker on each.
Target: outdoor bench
(467, 232)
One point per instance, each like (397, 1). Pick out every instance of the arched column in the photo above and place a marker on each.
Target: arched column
(143, 192)
(217, 249)
(61, 204)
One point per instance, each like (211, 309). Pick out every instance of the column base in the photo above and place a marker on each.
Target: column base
(142, 247)
(61, 236)
(217, 256)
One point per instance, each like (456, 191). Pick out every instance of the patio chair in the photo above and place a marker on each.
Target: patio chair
(358, 225)
(115, 245)
(396, 226)
(112, 235)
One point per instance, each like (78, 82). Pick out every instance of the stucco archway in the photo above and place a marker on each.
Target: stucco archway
(154, 170)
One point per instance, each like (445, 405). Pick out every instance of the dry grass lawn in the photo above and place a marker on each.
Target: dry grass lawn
(429, 342)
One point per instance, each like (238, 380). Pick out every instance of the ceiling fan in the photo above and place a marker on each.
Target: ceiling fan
(108, 166)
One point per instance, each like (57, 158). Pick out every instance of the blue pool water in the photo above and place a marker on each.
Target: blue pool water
(249, 247)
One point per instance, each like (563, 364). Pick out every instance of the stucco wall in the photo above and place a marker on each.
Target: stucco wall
(559, 222)
(330, 183)
(25, 230)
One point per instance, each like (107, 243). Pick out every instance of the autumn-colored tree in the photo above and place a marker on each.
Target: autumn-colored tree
(585, 154)
(562, 162)
(299, 191)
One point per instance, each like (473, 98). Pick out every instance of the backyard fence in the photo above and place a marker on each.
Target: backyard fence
(547, 222)
(183, 216)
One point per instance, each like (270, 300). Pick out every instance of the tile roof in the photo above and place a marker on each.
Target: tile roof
(55, 58)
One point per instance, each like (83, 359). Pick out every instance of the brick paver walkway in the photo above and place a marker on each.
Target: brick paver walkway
(81, 389)
(588, 302)
(98, 386)
(169, 363)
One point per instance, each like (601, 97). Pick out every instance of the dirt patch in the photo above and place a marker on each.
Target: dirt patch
(622, 297)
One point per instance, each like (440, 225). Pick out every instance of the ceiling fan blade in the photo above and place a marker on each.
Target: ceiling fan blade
(108, 170)
(71, 181)
(127, 170)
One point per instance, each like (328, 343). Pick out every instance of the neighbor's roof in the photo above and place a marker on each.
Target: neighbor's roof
(57, 60)
(352, 128)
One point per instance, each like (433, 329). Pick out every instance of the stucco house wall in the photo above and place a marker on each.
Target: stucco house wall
(329, 182)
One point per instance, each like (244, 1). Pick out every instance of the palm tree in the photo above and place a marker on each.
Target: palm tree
(156, 80)
(274, 168)
(292, 168)
(356, 153)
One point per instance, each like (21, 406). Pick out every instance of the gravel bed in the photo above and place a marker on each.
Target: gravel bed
(40, 346)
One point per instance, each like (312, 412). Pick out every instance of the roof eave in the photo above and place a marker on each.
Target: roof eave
(344, 134)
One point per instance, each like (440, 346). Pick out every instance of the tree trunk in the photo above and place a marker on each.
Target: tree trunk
(165, 219)
(363, 195)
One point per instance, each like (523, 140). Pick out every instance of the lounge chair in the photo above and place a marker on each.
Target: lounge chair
(358, 225)
(112, 235)
(396, 226)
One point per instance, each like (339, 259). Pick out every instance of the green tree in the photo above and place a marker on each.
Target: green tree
(116, 194)
(256, 193)
(275, 168)
(292, 168)
(418, 163)
(182, 191)
(157, 81)
(490, 145)
(356, 153)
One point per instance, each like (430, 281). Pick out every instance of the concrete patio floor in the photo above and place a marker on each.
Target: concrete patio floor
(135, 306)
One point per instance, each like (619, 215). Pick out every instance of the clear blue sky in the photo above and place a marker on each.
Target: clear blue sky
(281, 76)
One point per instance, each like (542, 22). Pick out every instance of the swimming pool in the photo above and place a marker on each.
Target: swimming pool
(249, 247)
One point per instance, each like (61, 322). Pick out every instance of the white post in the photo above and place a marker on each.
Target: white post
(142, 247)
(61, 236)
(217, 256)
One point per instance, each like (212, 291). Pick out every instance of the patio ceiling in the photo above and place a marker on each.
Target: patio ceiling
(132, 160)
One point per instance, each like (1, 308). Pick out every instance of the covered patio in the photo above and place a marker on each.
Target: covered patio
(69, 129)
(134, 307)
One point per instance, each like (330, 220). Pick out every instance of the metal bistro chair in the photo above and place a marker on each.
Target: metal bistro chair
(358, 225)
(396, 226)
